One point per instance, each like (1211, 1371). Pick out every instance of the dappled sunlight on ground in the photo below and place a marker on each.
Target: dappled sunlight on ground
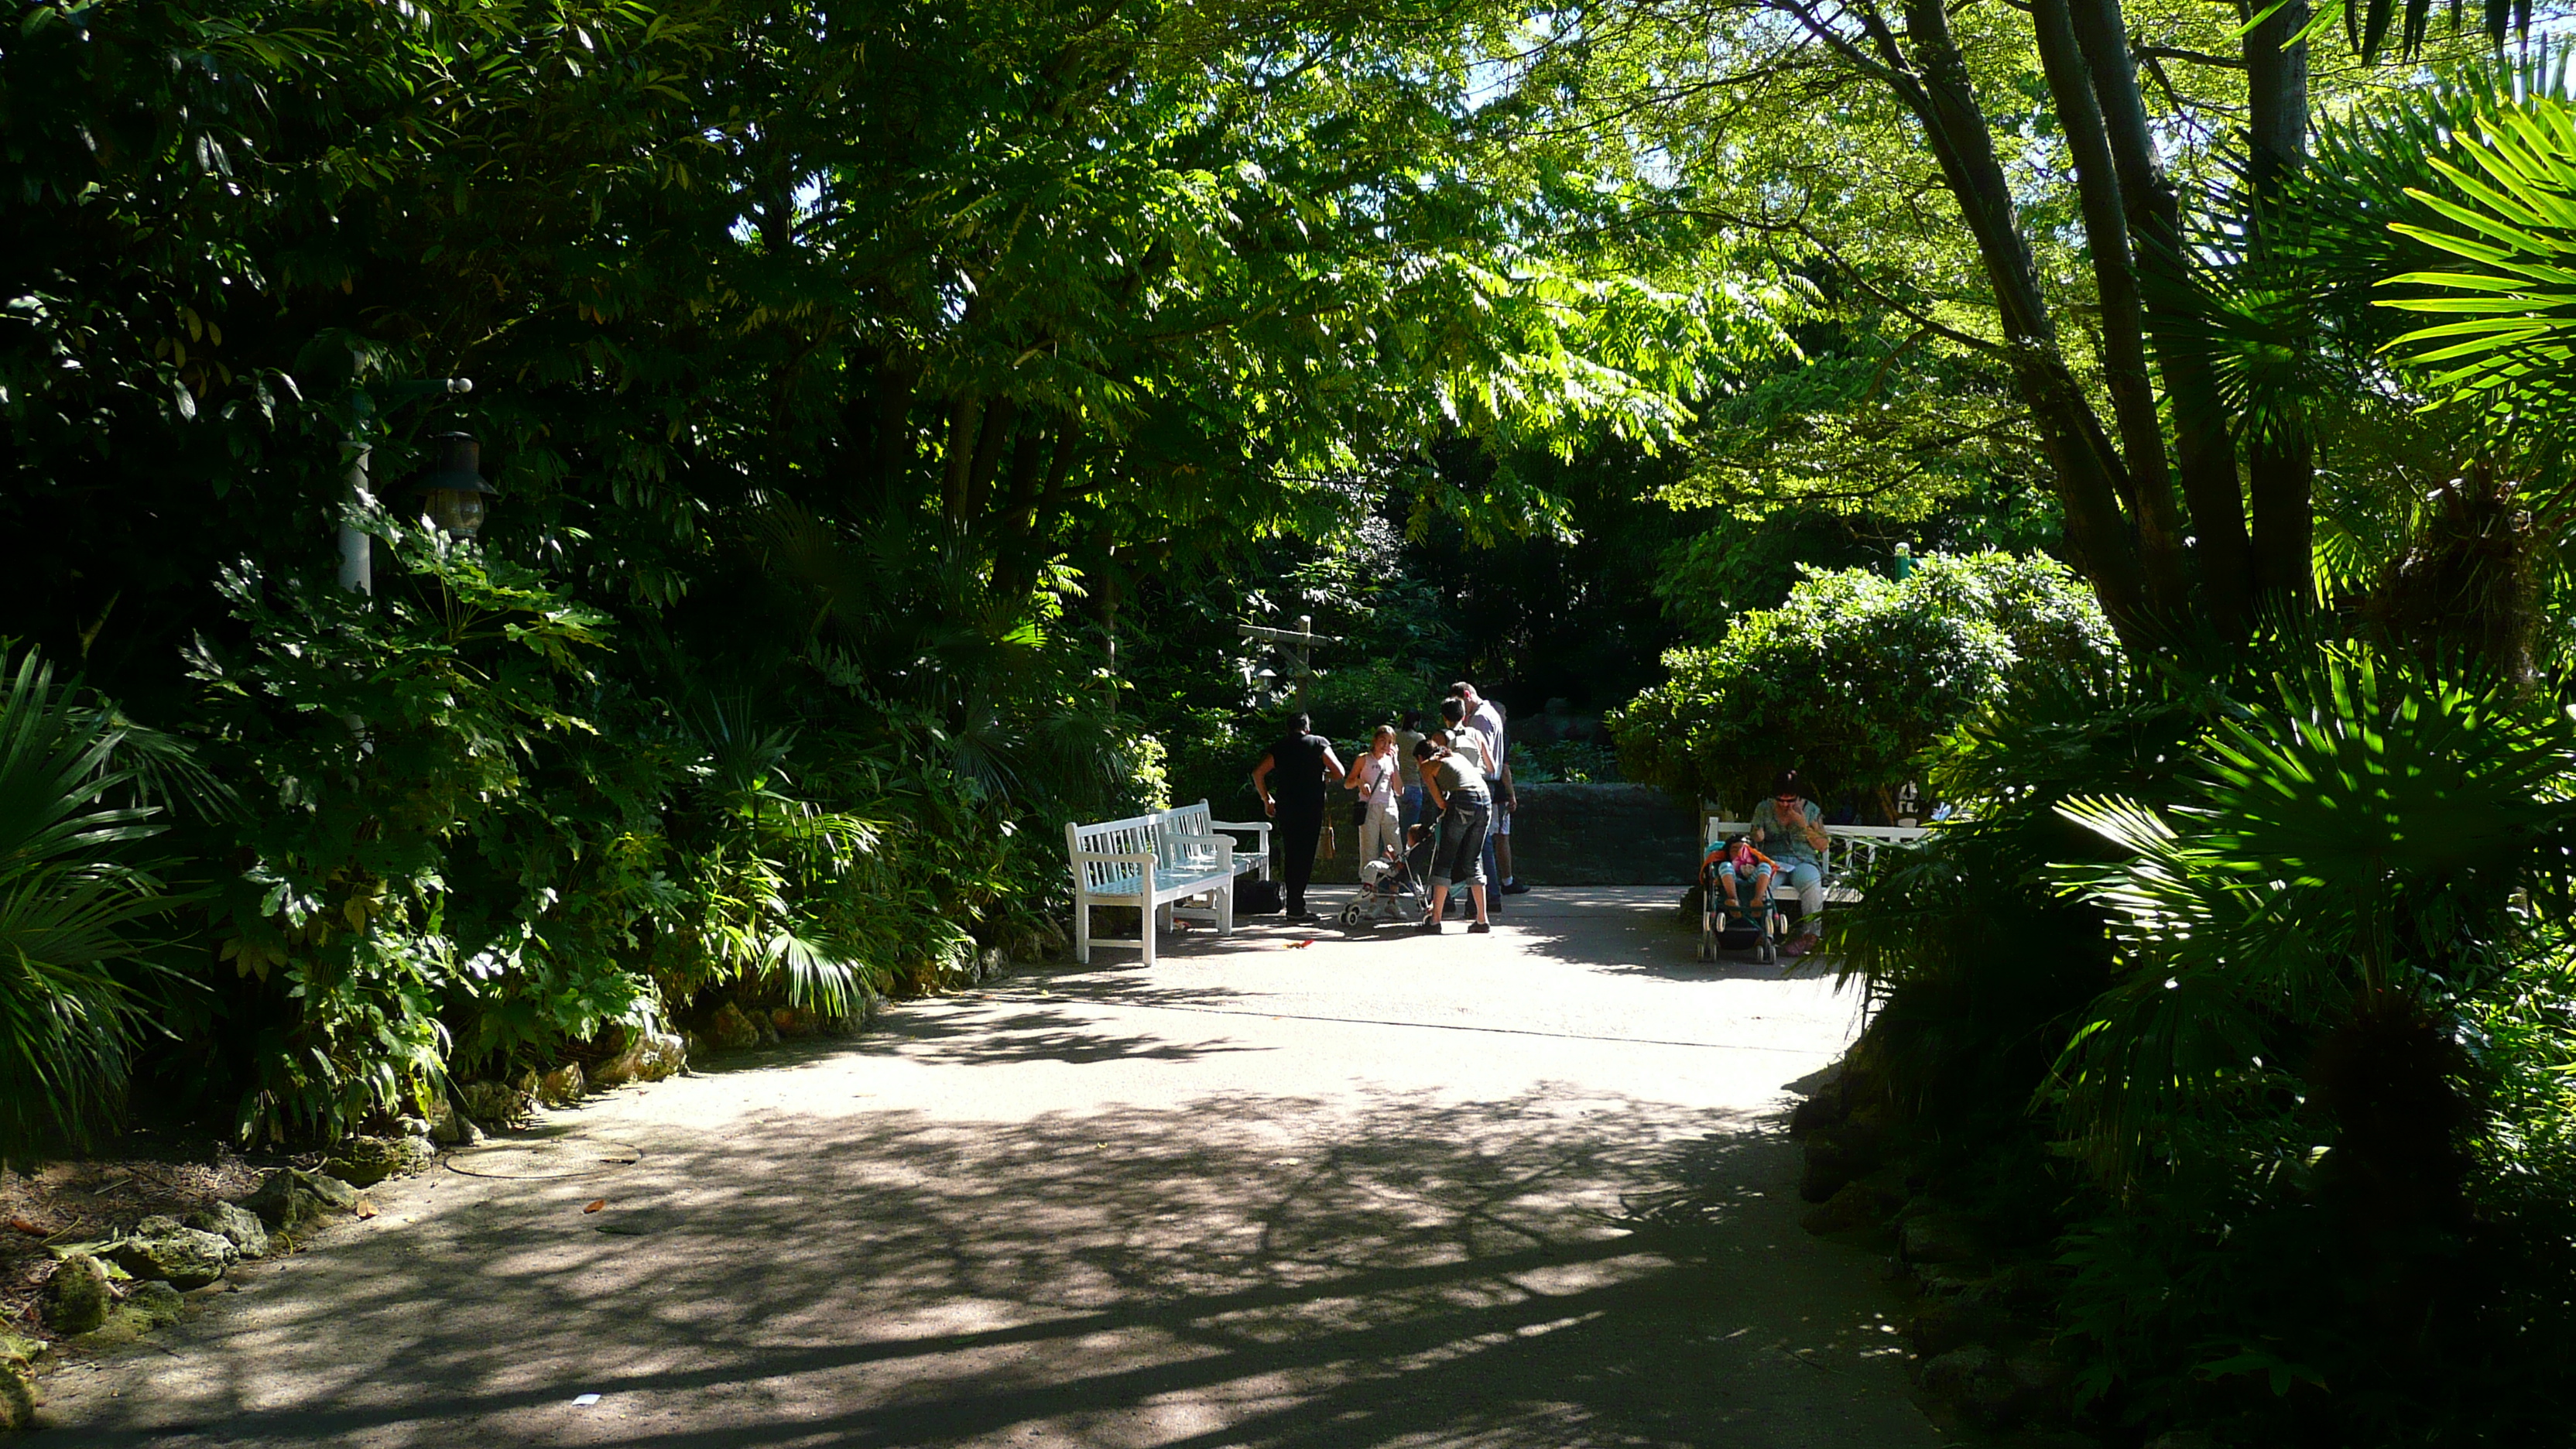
(1087, 1210)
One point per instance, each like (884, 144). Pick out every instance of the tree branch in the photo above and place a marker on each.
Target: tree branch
(2196, 57)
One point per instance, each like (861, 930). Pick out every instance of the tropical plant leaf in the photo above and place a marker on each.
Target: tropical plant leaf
(2511, 349)
(76, 909)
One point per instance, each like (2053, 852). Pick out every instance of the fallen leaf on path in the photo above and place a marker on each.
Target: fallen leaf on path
(594, 1205)
(1293, 945)
(22, 1225)
(365, 1208)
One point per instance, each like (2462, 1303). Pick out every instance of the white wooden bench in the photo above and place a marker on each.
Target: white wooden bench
(1850, 851)
(1154, 863)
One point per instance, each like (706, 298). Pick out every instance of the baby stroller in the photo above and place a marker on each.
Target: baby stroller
(1391, 889)
(1750, 925)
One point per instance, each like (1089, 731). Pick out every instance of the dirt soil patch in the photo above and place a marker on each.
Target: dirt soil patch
(87, 1199)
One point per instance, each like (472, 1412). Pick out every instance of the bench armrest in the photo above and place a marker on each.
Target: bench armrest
(1264, 826)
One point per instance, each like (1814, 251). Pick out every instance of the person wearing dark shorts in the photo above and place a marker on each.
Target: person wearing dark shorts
(1291, 780)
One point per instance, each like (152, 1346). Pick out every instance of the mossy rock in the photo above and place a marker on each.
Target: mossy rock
(237, 1225)
(1854, 1208)
(17, 1399)
(731, 1031)
(156, 1305)
(290, 1196)
(147, 1306)
(498, 1104)
(564, 1086)
(164, 1249)
(76, 1296)
(366, 1161)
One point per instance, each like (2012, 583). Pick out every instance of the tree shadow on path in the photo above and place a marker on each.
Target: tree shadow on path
(1565, 1268)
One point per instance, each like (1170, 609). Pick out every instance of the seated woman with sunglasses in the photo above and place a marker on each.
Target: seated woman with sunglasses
(1790, 828)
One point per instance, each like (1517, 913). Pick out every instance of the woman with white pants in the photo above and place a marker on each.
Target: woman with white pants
(1379, 777)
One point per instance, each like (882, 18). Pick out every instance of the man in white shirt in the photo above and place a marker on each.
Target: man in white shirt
(1486, 717)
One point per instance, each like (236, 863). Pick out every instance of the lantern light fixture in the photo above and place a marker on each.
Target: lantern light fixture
(454, 495)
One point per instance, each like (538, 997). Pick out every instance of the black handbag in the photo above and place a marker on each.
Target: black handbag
(1256, 898)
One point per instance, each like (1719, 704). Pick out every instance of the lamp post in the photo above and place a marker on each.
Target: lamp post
(1904, 561)
(1300, 640)
(357, 549)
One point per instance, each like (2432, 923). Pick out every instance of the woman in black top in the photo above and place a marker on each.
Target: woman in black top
(1291, 780)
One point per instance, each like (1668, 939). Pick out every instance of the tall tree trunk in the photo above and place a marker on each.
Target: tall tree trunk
(2204, 452)
(2124, 340)
(1014, 564)
(1001, 419)
(2280, 459)
(892, 449)
(2086, 468)
(965, 416)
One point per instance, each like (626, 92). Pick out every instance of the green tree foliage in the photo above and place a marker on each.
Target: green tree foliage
(2259, 969)
(845, 370)
(1856, 675)
(2060, 248)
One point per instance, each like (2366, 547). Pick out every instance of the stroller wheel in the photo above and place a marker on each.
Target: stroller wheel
(1706, 949)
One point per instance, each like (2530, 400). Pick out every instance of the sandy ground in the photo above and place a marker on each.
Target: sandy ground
(1526, 1189)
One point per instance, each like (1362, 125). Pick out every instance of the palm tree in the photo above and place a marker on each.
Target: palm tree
(81, 906)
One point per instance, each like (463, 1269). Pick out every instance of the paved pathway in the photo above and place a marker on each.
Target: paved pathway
(1525, 1190)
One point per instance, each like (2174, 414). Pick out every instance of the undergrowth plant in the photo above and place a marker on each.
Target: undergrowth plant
(2255, 980)
(87, 905)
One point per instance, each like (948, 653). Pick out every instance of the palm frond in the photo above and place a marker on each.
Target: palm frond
(819, 976)
(2509, 288)
(75, 978)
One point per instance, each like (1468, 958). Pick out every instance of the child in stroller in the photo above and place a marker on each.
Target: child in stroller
(1391, 889)
(1736, 909)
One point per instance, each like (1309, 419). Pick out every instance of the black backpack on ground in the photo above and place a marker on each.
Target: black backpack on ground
(1256, 898)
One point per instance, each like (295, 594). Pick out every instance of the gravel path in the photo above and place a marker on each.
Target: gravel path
(1526, 1189)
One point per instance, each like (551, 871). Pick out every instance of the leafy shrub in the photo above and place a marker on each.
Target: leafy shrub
(1573, 761)
(1856, 675)
(382, 732)
(2270, 965)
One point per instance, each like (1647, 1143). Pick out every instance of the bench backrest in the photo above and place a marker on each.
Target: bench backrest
(1164, 834)
(1847, 847)
(1136, 835)
(1173, 828)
